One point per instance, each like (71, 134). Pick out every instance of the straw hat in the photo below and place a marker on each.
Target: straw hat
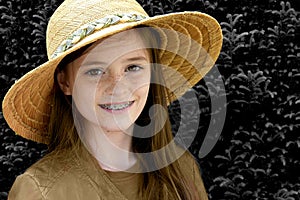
(76, 23)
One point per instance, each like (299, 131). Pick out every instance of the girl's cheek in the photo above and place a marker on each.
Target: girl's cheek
(85, 89)
(139, 78)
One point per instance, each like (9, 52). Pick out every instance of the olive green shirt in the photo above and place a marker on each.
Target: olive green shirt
(71, 178)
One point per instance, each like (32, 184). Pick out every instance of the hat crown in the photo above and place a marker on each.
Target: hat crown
(72, 14)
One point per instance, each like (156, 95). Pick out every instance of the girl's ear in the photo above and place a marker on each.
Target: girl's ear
(63, 82)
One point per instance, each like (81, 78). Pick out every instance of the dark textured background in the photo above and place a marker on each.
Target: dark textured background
(257, 155)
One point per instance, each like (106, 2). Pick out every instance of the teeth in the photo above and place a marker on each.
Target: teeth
(116, 106)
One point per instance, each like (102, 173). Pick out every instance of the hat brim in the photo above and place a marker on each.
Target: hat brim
(27, 105)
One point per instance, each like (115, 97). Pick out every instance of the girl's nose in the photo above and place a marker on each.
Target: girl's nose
(116, 77)
(114, 84)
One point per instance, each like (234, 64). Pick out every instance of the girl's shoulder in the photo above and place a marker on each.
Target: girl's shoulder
(51, 166)
(63, 177)
(191, 171)
(44, 177)
(187, 161)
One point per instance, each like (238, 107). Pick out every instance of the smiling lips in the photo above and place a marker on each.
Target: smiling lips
(116, 106)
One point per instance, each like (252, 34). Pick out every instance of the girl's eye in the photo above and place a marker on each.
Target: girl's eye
(94, 72)
(133, 68)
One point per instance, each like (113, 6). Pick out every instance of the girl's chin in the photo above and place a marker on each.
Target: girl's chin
(109, 124)
(114, 128)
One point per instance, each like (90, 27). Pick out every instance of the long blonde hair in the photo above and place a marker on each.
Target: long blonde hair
(166, 183)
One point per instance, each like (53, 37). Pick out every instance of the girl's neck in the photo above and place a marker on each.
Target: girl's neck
(113, 150)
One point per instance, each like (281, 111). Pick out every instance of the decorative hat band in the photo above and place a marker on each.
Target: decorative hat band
(91, 27)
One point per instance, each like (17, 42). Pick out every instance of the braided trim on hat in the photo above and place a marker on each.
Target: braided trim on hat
(91, 27)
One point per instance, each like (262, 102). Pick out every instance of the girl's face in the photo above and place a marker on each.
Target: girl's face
(109, 82)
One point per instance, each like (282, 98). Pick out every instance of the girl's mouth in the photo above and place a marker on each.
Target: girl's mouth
(116, 106)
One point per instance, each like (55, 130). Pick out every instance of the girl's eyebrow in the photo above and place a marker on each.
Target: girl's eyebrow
(139, 58)
(131, 59)
(92, 63)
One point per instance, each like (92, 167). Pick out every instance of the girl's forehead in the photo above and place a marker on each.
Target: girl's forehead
(127, 40)
(116, 46)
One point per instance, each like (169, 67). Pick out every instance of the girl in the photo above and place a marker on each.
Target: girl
(100, 103)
